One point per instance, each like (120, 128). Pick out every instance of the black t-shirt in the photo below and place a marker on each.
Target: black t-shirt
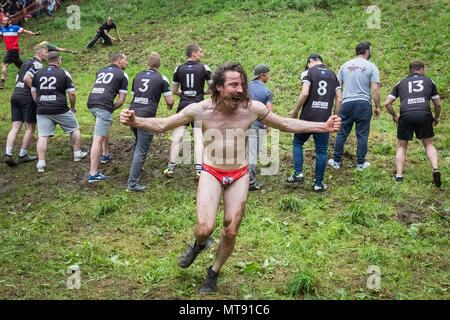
(323, 85)
(191, 77)
(415, 92)
(106, 27)
(147, 89)
(109, 82)
(51, 84)
(30, 67)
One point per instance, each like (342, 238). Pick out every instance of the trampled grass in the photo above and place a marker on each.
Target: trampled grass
(293, 243)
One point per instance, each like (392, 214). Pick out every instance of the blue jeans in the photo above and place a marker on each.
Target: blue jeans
(321, 143)
(360, 113)
(142, 142)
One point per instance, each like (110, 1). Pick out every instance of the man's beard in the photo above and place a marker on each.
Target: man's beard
(232, 101)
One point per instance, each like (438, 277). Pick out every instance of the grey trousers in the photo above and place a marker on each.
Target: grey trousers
(255, 140)
(143, 140)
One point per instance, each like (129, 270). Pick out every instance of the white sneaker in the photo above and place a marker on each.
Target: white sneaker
(80, 156)
(361, 167)
(40, 168)
(334, 164)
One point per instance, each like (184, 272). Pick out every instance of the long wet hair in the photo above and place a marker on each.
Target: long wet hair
(218, 78)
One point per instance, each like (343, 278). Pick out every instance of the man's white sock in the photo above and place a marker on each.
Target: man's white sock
(23, 153)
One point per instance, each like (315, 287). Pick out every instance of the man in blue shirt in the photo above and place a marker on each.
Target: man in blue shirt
(359, 77)
(259, 92)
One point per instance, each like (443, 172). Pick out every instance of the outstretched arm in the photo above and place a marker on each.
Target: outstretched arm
(128, 118)
(31, 32)
(270, 119)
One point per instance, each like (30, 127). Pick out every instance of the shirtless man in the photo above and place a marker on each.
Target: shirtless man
(227, 115)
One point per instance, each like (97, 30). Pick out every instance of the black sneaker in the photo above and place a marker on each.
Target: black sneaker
(397, 179)
(254, 187)
(437, 177)
(295, 178)
(27, 158)
(210, 283)
(191, 252)
(10, 161)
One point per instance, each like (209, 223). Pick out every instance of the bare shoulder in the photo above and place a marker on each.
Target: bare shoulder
(200, 109)
(258, 108)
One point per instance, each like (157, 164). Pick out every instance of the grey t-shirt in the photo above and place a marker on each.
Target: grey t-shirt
(357, 74)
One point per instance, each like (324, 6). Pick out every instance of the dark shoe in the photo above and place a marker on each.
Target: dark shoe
(397, 179)
(255, 186)
(210, 283)
(2, 85)
(107, 158)
(295, 178)
(10, 161)
(437, 177)
(138, 187)
(27, 158)
(191, 252)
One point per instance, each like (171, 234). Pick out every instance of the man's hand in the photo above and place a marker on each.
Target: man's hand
(376, 113)
(37, 33)
(333, 124)
(436, 121)
(74, 109)
(293, 114)
(395, 119)
(113, 39)
(127, 117)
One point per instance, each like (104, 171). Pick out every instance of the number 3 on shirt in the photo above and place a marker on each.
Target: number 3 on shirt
(145, 84)
(418, 88)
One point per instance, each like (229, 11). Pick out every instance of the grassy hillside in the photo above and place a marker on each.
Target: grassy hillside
(293, 243)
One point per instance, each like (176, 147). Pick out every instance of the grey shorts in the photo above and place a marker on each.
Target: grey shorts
(103, 120)
(47, 122)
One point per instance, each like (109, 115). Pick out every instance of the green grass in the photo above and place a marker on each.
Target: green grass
(293, 243)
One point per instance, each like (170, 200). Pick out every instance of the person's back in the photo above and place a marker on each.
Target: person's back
(322, 91)
(191, 76)
(415, 93)
(51, 84)
(357, 74)
(31, 66)
(147, 88)
(109, 81)
(360, 79)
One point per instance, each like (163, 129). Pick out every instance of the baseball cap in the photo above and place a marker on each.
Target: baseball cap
(313, 56)
(259, 69)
